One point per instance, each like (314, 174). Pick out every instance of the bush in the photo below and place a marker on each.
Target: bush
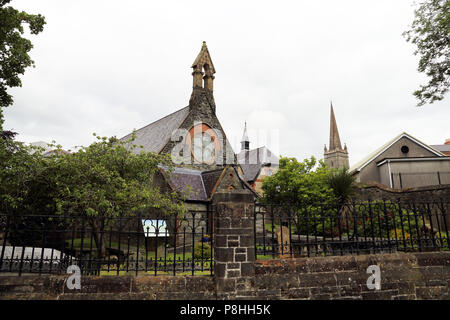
(206, 251)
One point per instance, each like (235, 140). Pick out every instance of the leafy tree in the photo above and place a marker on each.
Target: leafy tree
(430, 32)
(16, 160)
(298, 182)
(101, 181)
(14, 48)
(300, 189)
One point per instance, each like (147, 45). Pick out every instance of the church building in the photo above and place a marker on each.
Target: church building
(204, 160)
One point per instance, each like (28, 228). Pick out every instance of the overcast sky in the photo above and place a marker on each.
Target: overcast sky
(111, 66)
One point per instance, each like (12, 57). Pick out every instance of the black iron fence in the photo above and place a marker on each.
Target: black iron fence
(419, 179)
(352, 228)
(151, 244)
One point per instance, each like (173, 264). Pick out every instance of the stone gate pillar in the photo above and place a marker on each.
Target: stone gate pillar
(234, 248)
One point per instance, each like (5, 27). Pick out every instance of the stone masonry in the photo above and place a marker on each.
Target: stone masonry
(234, 245)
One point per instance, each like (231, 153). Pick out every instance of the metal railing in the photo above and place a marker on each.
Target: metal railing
(352, 228)
(151, 244)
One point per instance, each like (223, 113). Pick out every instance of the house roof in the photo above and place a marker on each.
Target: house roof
(253, 160)
(441, 147)
(189, 183)
(364, 162)
(210, 179)
(154, 136)
(251, 171)
(196, 185)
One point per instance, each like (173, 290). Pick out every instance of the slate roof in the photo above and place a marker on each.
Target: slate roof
(154, 137)
(251, 171)
(441, 147)
(210, 179)
(253, 160)
(188, 180)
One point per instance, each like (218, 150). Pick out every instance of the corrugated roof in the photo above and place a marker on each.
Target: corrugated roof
(154, 137)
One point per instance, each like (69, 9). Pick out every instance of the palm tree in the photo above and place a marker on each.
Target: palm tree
(343, 184)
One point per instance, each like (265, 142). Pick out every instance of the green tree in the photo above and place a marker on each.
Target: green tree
(298, 182)
(107, 179)
(16, 163)
(430, 32)
(14, 49)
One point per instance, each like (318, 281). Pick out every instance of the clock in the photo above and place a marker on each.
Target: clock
(203, 143)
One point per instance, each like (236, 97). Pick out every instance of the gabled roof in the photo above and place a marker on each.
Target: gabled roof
(154, 137)
(186, 181)
(364, 162)
(196, 185)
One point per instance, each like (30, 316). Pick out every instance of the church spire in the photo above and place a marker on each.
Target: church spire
(245, 142)
(203, 70)
(335, 156)
(335, 141)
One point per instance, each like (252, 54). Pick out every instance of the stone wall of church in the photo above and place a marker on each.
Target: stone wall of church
(202, 110)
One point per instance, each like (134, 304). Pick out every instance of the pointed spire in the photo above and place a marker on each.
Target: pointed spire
(335, 141)
(203, 69)
(245, 142)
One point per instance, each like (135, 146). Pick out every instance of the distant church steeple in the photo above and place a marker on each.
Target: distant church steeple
(245, 142)
(335, 156)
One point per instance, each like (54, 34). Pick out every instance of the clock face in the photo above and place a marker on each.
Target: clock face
(204, 143)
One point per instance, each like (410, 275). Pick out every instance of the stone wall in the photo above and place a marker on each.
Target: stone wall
(403, 276)
(234, 245)
(53, 287)
(374, 191)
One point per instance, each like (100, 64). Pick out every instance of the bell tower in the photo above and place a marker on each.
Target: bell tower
(203, 79)
(203, 70)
